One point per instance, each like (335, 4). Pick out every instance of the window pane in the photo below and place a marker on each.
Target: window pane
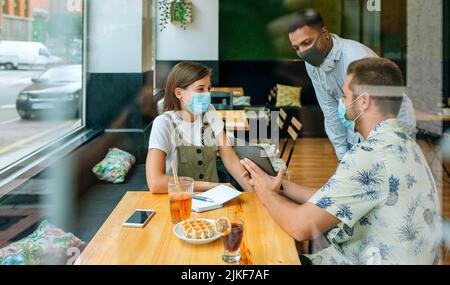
(261, 31)
(26, 8)
(16, 7)
(40, 76)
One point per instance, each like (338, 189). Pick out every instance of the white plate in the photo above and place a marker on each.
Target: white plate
(179, 233)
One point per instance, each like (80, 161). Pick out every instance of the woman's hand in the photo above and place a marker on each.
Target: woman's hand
(263, 184)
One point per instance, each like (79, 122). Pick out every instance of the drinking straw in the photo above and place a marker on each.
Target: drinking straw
(175, 175)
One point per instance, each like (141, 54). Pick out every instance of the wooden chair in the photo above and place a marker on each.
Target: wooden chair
(272, 98)
(294, 131)
(283, 122)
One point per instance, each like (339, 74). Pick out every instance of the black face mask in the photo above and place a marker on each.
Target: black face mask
(313, 56)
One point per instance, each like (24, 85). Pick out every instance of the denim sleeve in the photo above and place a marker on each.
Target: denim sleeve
(336, 132)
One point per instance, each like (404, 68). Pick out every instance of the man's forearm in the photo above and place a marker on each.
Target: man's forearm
(282, 211)
(297, 193)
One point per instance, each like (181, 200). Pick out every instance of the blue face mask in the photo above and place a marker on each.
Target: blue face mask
(342, 109)
(200, 103)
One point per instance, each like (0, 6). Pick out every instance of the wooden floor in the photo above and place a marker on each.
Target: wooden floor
(314, 162)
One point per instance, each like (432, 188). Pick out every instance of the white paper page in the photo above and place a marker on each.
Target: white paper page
(221, 194)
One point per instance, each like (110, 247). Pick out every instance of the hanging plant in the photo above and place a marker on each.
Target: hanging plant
(178, 11)
(164, 10)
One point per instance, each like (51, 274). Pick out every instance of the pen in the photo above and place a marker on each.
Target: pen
(201, 198)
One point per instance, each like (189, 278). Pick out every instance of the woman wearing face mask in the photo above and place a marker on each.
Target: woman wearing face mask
(190, 133)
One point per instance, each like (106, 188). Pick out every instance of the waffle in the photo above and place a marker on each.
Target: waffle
(198, 229)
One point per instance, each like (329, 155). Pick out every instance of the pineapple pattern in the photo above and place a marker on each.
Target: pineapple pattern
(385, 196)
(393, 191)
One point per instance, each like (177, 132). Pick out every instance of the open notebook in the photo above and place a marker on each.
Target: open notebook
(220, 194)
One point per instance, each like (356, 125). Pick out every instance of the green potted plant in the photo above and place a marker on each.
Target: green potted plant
(177, 11)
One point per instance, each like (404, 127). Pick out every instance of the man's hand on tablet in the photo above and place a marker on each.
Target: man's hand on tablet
(263, 184)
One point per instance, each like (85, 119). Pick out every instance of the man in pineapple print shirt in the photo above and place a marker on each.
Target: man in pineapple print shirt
(381, 206)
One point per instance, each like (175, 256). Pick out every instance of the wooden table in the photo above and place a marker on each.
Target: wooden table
(235, 120)
(264, 241)
(425, 117)
(237, 91)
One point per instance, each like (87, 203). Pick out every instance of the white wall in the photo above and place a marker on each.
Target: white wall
(116, 41)
(200, 40)
(424, 60)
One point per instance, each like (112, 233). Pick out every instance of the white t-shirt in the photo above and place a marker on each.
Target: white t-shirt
(163, 134)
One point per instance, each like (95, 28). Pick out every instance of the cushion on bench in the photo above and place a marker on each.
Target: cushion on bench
(48, 245)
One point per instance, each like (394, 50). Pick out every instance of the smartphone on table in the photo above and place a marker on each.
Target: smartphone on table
(139, 218)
